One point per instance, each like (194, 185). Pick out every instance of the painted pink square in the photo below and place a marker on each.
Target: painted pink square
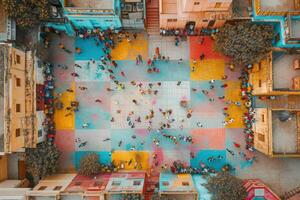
(64, 140)
(212, 139)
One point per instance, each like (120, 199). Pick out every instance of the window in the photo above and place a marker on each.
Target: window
(42, 188)
(263, 118)
(165, 183)
(185, 183)
(218, 5)
(57, 187)
(18, 107)
(171, 20)
(77, 183)
(205, 20)
(259, 83)
(97, 183)
(40, 133)
(18, 58)
(196, 3)
(136, 182)
(116, 183)
(18, 82)
(18, 132)
(261, 137)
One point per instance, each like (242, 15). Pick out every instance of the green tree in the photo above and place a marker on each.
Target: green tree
(224, 186)
(89, 165)
(245, 42)
(27, 13)
(42, 161)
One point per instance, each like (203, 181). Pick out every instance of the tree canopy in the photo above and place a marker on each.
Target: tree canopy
(27, 13)
(43, 160)
(89, 165)
(245, 42)
(224, 186)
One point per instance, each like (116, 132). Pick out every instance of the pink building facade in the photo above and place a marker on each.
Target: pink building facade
(200, 13)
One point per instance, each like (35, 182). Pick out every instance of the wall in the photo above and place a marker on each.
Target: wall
(3, 167)
(263, 131)
(261, 76)
(176, 13)
(17, 94)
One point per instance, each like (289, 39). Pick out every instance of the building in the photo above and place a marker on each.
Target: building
(125, 184)
(86, 187)
(11, 185)
(21, 125)
(256, 189)
(7, 27)
(284, 15)
(277, 74)
(277, 132)
(93, 13)
(50, 187)
(133, 14)
(177, 186)
(200, 14)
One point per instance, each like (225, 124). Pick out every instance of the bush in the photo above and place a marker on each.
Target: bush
(89, 165)
(245, 42)
(42, 161)
(224, 186)
(27, 13)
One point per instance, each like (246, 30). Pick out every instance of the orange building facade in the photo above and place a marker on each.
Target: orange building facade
(204, 13)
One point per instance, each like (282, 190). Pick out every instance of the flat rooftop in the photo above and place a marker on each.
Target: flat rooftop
(285, 133)
(277, 5)
(295, 28)
(95, 4)
(284, 72)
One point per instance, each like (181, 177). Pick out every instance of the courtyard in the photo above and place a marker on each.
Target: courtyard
(217, 138)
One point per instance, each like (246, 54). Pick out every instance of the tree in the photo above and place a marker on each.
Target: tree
(224, 186)
(245, 42)
(42, 161)
(27, 13)
(89, 165)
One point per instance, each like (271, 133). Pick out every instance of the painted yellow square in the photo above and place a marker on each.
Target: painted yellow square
(61, 121)
(207, 69)
(233, 93)
(139, 157)
(129, 50)
(237, 113)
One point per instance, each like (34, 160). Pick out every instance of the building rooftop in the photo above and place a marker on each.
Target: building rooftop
(95, 4)
(176, 183)
(88, 184)
(295, 28)
(129, 182)
(284, 72)
(285, 131)
(278, 5)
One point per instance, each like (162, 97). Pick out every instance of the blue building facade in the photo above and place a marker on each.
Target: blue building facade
(88, 15)
(102, 13)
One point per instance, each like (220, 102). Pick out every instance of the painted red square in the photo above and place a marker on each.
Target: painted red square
(211, 139)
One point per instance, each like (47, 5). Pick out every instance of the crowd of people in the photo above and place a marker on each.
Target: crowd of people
(109, 39)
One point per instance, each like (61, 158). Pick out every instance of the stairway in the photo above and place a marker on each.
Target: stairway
(150, 185)
(291, 193)
(152, 17)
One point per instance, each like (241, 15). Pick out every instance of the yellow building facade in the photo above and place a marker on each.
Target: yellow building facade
(20, 121)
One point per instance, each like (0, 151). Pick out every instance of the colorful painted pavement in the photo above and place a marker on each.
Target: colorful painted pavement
(104, 136)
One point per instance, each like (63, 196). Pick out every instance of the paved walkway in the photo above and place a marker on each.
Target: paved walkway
(137, 143)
